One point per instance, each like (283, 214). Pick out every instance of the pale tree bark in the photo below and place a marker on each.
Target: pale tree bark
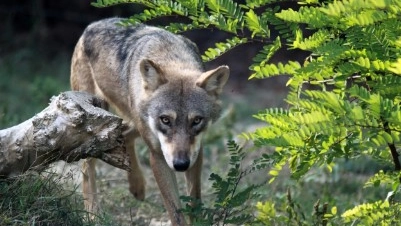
(72, 127)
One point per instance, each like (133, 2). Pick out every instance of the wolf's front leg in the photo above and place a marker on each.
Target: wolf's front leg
(193, 178)
(89, 185)
(135, 177)
(167, 183)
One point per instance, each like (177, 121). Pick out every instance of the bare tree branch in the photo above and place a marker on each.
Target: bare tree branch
(72, 127)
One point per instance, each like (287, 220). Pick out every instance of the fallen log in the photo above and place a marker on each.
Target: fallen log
(74, 126)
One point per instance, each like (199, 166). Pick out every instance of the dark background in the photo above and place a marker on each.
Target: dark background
(54, 26)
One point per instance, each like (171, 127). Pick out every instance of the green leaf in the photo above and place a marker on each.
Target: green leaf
(334, 210)
(256, 25)
(221, 48)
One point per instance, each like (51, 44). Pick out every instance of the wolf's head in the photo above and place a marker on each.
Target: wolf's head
(179, 109)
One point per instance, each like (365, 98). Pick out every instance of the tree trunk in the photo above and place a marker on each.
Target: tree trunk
(72, 127)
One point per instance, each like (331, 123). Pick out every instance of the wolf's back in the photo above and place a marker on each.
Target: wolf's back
(123, 45)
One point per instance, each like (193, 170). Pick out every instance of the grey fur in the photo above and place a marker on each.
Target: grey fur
(157, 82)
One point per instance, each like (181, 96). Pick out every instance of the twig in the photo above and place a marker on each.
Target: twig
(393, 149)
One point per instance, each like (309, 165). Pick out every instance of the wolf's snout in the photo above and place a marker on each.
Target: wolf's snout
(181, 162)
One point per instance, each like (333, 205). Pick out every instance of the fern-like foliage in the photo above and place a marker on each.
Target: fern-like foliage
(232, 200)
(373, 213)
(222, 47)
(354, 107)
(354, 61)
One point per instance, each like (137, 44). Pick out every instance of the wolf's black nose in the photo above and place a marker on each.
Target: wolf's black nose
(181, 164)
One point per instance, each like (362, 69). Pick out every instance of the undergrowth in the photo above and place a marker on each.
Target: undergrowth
(233, 201)
(34, 199)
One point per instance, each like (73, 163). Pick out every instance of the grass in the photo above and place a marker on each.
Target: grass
(27, 81)
(33, 199)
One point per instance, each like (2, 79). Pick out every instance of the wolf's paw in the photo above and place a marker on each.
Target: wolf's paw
(137, 186)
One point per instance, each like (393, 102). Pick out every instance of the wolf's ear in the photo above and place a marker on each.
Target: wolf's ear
(213, 81)
(152, 75)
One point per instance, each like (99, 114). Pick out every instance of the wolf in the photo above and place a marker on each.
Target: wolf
(156, 81)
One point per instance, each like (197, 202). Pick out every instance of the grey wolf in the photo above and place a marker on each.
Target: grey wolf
(157, 83)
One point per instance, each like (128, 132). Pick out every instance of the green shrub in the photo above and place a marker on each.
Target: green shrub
(232, 204)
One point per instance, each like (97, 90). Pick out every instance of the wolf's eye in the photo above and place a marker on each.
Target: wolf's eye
(165, 120)
(197, 121)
